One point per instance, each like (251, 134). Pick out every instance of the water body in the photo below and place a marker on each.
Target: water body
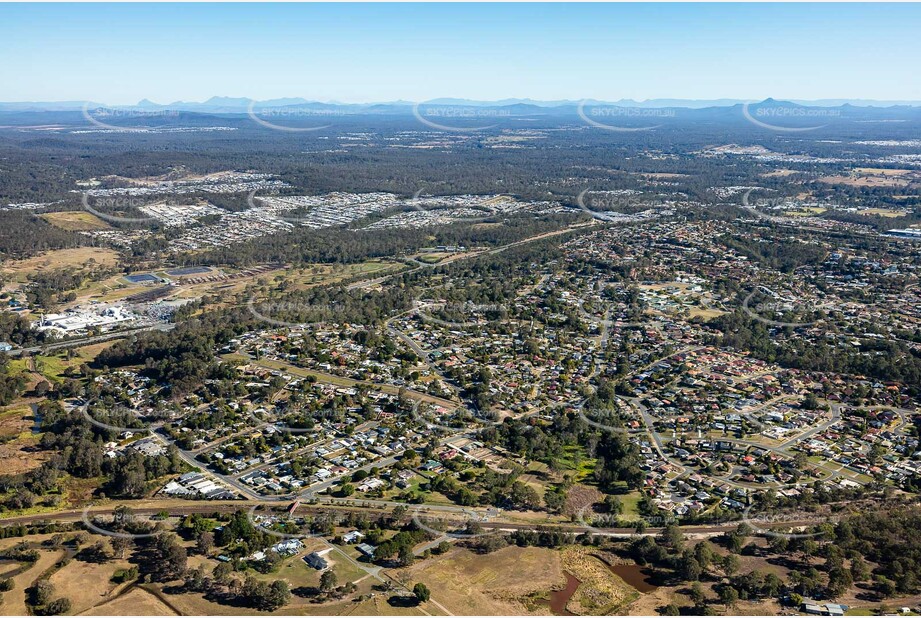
(37, 425)
(634, 575)
(559, 598)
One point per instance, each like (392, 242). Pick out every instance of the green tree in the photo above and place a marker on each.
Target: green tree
(729, 596)
(689, 568)
(406, 556)
(730, 564)
(278, 595)
(205, 543)
(421, 592)
(328, 581)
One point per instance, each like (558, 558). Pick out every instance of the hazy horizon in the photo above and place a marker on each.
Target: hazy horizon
(294, 100)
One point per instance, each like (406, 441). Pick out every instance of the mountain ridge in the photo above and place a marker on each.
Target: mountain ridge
(224, 104)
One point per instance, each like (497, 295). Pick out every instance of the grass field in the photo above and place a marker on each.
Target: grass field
(432, 258)
(706, 314)
(86, 584)
(75, 221)
(883, 212)
(575, 460)
(805, 212)
(779, 173)
(873, 177)
(496, 584)
(107, 290)
(14, 601)
(135, 602)
(61, 258)
(298, 574)
(631, 502)
(52, 367)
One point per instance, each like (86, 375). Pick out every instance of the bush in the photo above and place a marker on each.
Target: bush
(125, 575)
(56, 607)
(40, 593)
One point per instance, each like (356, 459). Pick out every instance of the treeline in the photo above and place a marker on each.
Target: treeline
(12, 383)
(77, 447)
(341, 245)
(17, 330)
(878, 550)
(779, 254)
(23, 234)
(877, 358)
(618, 459)
(183, 357)
(47, 287)
(890, 540)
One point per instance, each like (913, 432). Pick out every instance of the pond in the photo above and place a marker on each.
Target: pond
(634, 575)
(559, 598)
(37, 418)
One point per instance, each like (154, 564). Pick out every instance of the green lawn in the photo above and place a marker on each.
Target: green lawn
(298, 574)
(52, 367)
(631, 502)
(574, 459)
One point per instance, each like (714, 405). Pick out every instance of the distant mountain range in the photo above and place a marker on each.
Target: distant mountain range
(238, 105)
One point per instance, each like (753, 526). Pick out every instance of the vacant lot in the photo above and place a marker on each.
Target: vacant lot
(18, 455)
(883, 212)
(805, 212)
(872, 177)
(62, 258)
(53, 367)
(75, 221)
(135, 602)
(496, 584)
(14, 601)
(87, 584)
(779, 173)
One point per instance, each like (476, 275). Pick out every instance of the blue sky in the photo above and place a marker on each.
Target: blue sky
(121, 53)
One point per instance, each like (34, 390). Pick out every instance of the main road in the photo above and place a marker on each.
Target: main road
(83, 341)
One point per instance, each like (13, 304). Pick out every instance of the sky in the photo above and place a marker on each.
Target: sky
(121, 53)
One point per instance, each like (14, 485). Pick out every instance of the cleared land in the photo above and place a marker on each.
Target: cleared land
(496, 584)
(779, 173)
(135, 602)
(61, 258)
(873, 177)
(87, 584)
(883, 212)
(75, 221)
